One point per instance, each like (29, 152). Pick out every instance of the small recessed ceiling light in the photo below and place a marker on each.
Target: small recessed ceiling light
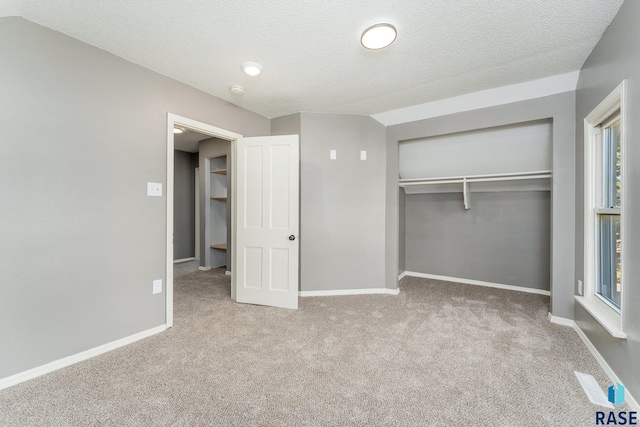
(378, 35)
(237, 89)
(177, 130)
(252, 68)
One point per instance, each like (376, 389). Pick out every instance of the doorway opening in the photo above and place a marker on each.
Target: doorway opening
(186, 198)
(191, 241)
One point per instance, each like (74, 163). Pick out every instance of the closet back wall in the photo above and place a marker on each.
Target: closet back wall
(504, 237)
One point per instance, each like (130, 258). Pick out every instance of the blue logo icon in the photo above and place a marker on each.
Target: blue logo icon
(616, 394)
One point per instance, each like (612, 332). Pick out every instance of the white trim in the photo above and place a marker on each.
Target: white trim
(197, 213)
(608, 211)
(486, 98)
(401, 275)
(169, 226)
(233, 181)
(178, 261)
(608, 318)
(563, 321)
(201, 268)
(478, 283)
(337, 292)
(204, 128)
(78, 357)
(476, 178)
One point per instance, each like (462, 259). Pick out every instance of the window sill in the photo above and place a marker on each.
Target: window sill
(606, 316)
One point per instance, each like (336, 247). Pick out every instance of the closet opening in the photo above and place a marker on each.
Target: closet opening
(475, 206)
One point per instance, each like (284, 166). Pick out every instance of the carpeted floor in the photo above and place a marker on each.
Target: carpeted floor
(182, 268)
(438, 354)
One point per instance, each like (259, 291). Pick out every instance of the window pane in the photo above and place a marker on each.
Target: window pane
(609, 266)
(611, 176)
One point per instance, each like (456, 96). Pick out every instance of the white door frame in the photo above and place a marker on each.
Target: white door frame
(200, 127)
(196, 227)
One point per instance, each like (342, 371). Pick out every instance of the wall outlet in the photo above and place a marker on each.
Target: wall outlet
(363, 155)
(154, 189)
(580, 288)
(157, 286)
(332, 154)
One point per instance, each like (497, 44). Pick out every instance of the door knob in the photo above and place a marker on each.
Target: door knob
(292, 237)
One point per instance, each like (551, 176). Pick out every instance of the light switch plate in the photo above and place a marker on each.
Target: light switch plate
(157, 286)
(332, 154)
(363, 155)
(154, 189)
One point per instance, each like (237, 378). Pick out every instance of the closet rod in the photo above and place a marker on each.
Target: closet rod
(495, 175)
(470, 180)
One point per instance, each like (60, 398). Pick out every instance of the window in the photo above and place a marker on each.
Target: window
(604, 216)
(608, 211)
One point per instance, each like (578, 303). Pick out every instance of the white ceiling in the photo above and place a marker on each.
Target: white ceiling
(310, 50)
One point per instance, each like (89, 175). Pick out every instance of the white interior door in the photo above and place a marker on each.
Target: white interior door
(267, 186)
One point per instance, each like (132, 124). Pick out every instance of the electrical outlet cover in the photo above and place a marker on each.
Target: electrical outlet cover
(154, 189)
(157, 286)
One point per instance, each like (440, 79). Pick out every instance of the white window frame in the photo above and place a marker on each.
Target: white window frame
(604, 312)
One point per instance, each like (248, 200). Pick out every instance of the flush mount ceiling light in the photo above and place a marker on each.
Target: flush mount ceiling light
(177, 130)
(378, 35)
(252, 68)
(237, 89)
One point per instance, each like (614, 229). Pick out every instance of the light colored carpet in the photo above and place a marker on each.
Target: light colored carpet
(182, 268)
(438, 354)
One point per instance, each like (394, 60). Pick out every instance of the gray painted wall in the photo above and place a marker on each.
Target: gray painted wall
(184, 208)
(342, 206)
(615, 58)
(504, 237)
(561, 110)
(520, 147)
(83, 132)
(286, 125)
(393, 206)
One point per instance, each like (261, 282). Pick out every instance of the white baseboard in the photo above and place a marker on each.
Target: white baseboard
(204, 268)
(478, 283)
(404, 273)
(633, 404)
(178, 261)
(349, 292)
(79, 357)
(561, 321)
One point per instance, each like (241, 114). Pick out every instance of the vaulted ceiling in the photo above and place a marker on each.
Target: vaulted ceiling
(310, 50)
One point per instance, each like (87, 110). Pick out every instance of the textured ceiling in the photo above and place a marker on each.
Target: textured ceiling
(311, 53)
